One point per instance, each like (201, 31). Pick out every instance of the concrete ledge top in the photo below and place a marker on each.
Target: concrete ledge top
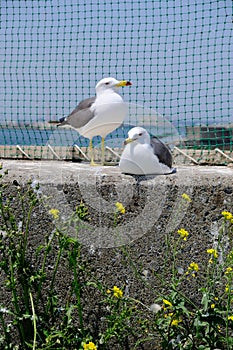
(57, 171)
(150, 201)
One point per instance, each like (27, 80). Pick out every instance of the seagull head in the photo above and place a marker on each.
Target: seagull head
(110, 83)
(138, 135)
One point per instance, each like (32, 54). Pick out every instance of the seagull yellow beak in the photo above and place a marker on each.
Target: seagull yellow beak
(123, 83)
(128, 140)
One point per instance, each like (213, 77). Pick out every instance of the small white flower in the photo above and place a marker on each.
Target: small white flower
(3, 310)
(145, 274)
(92, 249)
(35, 187)
(155, 308)
(20, 225)
(3, 233)
(180, 270)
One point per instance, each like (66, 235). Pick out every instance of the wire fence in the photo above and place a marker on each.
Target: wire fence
(177, 54)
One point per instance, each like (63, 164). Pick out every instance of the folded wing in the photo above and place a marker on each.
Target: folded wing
(81, 115)
(161, 151)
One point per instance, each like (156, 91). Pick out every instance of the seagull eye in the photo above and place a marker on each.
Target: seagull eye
(140, 134)
(107, 83)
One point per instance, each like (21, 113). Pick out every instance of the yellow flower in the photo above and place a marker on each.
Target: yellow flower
(193, 267)
(228, 270)
(230, 318)
(117, 292)
(120, 207)
(213, 252)
(186, 197)
(228, 289)
(227, 215)
(54, 213)
(175, 322)
(212, 306)
(183, 233)
(89, 346)
(167, 303)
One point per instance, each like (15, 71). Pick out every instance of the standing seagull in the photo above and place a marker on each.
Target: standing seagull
(99, 115)
(144, 155)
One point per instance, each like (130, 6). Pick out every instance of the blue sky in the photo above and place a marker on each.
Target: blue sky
(178, 54)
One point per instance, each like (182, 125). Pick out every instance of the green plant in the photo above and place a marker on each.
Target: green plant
(117, 320)
(82, 211)
(41, 320)
(37, 317)
(207, 322)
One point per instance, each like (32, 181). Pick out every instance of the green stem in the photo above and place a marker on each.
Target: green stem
(74, 255)
(139, 302)
(16, 304)
(187, 299)
(6, 334)
(174, 254)
(6, 218)
(227, 314)
(141, 341)
(133, 266)
(55, 269)
(115, 219)
(43, 270)
(22, 252)
(26, 233)
(78, 296)
(34, 322)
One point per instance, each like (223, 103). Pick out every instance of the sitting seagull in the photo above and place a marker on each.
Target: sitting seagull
(99, 115)
(145, 156)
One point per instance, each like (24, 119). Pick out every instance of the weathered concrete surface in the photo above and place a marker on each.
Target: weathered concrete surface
(148, 200)
(154, 209)
(145, 198)
(41, 169)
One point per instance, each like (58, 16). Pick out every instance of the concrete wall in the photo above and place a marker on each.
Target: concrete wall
(153, 209)
(149, 201)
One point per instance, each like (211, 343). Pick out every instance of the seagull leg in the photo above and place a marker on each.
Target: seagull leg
(91, 153)
(102, 151)
(103, 155)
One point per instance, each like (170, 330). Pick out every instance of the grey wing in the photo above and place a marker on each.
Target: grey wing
(161, 151)
(81, 115)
